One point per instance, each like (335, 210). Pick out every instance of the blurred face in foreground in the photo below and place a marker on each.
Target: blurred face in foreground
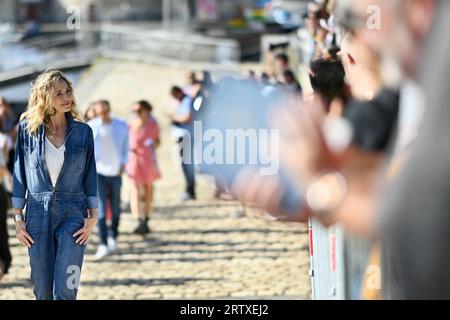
(362, 68)
(395, 29)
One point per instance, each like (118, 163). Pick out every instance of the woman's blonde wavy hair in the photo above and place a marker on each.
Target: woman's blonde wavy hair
(40, 105)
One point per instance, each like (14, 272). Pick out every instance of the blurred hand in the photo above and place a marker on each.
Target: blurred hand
(252, 188)
(303, 149)
(264, 192)
(305, 155)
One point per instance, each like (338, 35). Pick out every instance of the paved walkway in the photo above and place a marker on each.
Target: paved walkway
(197, 250)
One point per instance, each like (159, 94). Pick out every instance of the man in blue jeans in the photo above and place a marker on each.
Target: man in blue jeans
(111, 154)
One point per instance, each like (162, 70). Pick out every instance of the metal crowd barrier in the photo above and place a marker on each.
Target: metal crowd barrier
(338, 263)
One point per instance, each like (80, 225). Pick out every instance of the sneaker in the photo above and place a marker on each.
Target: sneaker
(102, 252)
(112, 245)
(186, 197)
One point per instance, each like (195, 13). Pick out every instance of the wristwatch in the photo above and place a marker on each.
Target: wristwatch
(326, 193)
(19, 217)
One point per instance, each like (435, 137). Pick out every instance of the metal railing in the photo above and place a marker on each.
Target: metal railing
(338, 263)
(167, 46)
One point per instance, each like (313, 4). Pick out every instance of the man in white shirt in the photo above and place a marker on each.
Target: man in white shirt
(111, 154)
(182, 123)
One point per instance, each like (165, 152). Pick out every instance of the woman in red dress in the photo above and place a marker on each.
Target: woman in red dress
(142, 167)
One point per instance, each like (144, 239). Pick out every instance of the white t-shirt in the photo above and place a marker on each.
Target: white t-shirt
(3, 142)
(108, 159)
(54, 159)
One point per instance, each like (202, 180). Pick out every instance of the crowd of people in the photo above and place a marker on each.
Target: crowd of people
(385, 83)
(123, 147)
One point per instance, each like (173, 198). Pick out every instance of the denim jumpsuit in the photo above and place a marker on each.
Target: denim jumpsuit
(54, 214)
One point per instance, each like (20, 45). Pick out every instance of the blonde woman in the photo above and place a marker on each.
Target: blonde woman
(55, 176)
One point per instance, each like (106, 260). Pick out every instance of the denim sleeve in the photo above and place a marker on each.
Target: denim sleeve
(19, 177)
(90, 174)
(125, 145)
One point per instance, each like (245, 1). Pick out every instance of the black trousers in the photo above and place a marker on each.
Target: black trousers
(5, 254)
(188, 166)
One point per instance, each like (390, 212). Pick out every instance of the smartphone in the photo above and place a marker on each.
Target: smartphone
(235, 132)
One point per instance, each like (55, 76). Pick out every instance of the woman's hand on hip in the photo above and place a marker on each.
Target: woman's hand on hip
(22, 235)
(89, 224)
